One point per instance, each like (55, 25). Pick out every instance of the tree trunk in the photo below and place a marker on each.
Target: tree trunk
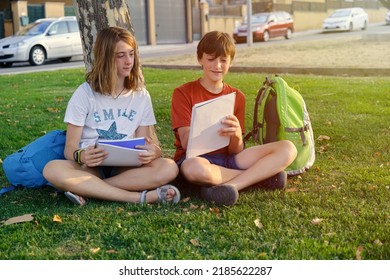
(93, 16)
(385, 3)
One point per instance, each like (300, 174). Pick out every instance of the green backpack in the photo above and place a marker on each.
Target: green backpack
(280, 114)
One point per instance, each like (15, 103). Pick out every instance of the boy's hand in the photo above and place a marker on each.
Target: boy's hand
(232, 127)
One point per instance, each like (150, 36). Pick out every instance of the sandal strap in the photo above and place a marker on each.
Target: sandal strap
(142, 199)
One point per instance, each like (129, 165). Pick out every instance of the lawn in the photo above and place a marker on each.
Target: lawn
(339, 209)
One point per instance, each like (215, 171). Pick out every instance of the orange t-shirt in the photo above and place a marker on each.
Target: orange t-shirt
(191, 93)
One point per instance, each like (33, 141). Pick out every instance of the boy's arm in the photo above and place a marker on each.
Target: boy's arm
(183, 134)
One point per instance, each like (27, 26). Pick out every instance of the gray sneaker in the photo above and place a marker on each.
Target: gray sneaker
(226, 195)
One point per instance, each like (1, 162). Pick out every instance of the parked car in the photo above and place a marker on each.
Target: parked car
(387, 18)
(44, 39)
(346, 19)
(266, 26)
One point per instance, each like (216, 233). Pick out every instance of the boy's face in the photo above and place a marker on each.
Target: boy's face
(214, 68)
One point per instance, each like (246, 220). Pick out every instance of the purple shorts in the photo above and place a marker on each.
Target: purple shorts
(227, 161)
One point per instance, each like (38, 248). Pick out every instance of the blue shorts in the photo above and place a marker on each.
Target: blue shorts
(107, 171)
(227, 161)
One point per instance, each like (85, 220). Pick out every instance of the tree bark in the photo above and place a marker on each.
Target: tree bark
(385, 3)
(93, 16)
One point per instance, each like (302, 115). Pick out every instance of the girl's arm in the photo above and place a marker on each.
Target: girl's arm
(90, 156)
(152, 144)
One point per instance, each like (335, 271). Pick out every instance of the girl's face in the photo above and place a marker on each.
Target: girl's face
(215, 68)
(124, 58)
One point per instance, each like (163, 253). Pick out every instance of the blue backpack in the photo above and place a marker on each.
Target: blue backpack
(24, 167)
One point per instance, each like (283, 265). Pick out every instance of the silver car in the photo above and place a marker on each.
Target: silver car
(346, 19)
(44, 39)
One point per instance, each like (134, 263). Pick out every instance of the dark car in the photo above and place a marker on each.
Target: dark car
(266, 26)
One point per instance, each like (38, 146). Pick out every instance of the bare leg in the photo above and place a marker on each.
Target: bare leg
(69, 176)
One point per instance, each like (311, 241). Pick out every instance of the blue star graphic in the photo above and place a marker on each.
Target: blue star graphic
(111, 133)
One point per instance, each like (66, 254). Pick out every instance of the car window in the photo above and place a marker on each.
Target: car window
(259, 18)
(272, 18)
(59, 28)
(341, 13)
(73, 26)
(35, 28)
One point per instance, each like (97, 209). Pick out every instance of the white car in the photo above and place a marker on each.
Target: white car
(48, 38)
(346, 20)
(388, 17)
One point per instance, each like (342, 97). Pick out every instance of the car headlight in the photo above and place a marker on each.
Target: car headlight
(17, 44)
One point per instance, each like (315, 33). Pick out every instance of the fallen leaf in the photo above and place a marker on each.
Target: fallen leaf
(291, 190)
(112, 251)
(57, 219)
(359, 251)
(94, 250)
(193, 206)
(19, 219)
(195, 242)
(323, 138)
(53, 110)
(215, 210)
(377, 242)
(316, 221)
(258, 223)
(186, 199)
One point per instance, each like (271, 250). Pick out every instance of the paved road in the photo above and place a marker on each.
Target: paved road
(178, 49)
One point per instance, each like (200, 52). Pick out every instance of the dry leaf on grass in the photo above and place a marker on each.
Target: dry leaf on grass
(195, 242)
(94, 250)
(19, 219)
(323, 138)
(258, 223)
(316, 221)
(359, 251)
(57, 219)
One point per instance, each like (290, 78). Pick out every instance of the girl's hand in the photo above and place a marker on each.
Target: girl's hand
(232, 127)
(152, 152)
(92, 156)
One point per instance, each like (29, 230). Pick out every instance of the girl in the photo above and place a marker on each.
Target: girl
(113, 103)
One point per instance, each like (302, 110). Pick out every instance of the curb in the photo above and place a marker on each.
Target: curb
(355, 72)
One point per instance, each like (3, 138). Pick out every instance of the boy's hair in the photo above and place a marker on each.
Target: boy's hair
(103, 75)
(216, 43)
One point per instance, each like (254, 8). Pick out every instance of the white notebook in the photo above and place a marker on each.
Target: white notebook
(205, 123)
(122, 152)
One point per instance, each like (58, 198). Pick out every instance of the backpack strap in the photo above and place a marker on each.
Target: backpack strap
(261, 95)
(5, 190)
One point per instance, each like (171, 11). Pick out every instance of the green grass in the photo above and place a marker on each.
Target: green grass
(348, 186)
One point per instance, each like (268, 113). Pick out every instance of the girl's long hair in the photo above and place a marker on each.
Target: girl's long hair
(103, 75)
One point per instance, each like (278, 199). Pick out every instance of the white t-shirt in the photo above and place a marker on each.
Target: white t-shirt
(104, 117)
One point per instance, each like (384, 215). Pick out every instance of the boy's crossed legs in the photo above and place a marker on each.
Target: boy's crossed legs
(256, 164)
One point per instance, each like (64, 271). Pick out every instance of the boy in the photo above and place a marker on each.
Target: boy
(223, 173)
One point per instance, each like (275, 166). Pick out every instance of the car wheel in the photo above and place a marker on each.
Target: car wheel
(350, 26)
(266, 36)
(66, 59)
(37, 56)
(364, 26)
(6, 64)
(288, 34)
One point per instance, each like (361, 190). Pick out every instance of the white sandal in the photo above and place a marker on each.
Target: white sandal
(162, 195)
(76, 199)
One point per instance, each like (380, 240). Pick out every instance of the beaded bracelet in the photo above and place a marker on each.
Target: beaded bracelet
(77, 156)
